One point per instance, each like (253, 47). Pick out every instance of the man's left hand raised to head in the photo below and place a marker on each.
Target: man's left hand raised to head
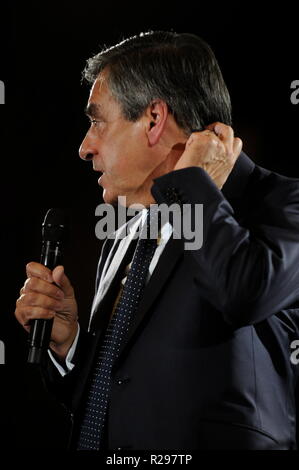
(215, 150)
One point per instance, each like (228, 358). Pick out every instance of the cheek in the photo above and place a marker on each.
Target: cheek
(127, 159)
(140, 161)
(120, 173)
(122, 163)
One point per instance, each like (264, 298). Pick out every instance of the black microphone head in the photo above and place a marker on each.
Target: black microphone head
(55, 227)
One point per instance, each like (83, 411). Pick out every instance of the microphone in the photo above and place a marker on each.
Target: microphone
(55, 231)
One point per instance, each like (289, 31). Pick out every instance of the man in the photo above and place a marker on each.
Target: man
(204, 362)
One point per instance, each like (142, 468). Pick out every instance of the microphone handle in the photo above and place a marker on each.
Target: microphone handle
(40, 331)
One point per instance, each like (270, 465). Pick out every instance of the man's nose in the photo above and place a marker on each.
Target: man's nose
(87, 149)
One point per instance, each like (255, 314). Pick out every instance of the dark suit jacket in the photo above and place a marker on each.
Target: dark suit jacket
(206, 364)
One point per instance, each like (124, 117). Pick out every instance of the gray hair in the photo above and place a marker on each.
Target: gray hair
(179, 69)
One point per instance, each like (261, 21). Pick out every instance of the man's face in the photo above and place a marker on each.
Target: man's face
(118, 148)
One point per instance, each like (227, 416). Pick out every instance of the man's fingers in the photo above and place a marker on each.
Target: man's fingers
(34, 299)
(39, 270)
(226, 135)
(41, 278)
(34, 284)
(223, 132)
(62, 281)
(237, 147)
(27, 313)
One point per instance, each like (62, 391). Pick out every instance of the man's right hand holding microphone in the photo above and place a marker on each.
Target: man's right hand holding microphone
(49, 294)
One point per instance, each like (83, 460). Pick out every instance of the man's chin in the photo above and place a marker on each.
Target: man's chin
(127, 201)
(115, 199)
(110, 198)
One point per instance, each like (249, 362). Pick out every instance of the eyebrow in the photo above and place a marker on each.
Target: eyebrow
(92, 110)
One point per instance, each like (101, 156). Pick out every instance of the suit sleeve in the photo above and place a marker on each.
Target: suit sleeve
(248, 273)
(62, 387)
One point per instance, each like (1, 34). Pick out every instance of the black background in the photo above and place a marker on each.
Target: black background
(43, 50)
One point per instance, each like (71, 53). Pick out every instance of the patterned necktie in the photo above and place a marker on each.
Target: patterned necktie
(93, 424)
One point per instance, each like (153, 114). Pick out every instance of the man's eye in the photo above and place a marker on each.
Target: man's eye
(96, 123)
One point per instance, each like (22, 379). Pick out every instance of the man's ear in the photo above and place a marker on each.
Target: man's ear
(156, 115)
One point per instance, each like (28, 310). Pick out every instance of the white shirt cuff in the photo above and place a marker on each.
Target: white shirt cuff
(68, 360)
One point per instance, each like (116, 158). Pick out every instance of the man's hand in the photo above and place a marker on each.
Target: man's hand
(41, 298)
(214, 149)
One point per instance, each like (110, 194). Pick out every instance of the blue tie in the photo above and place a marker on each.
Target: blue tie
(93, 424)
